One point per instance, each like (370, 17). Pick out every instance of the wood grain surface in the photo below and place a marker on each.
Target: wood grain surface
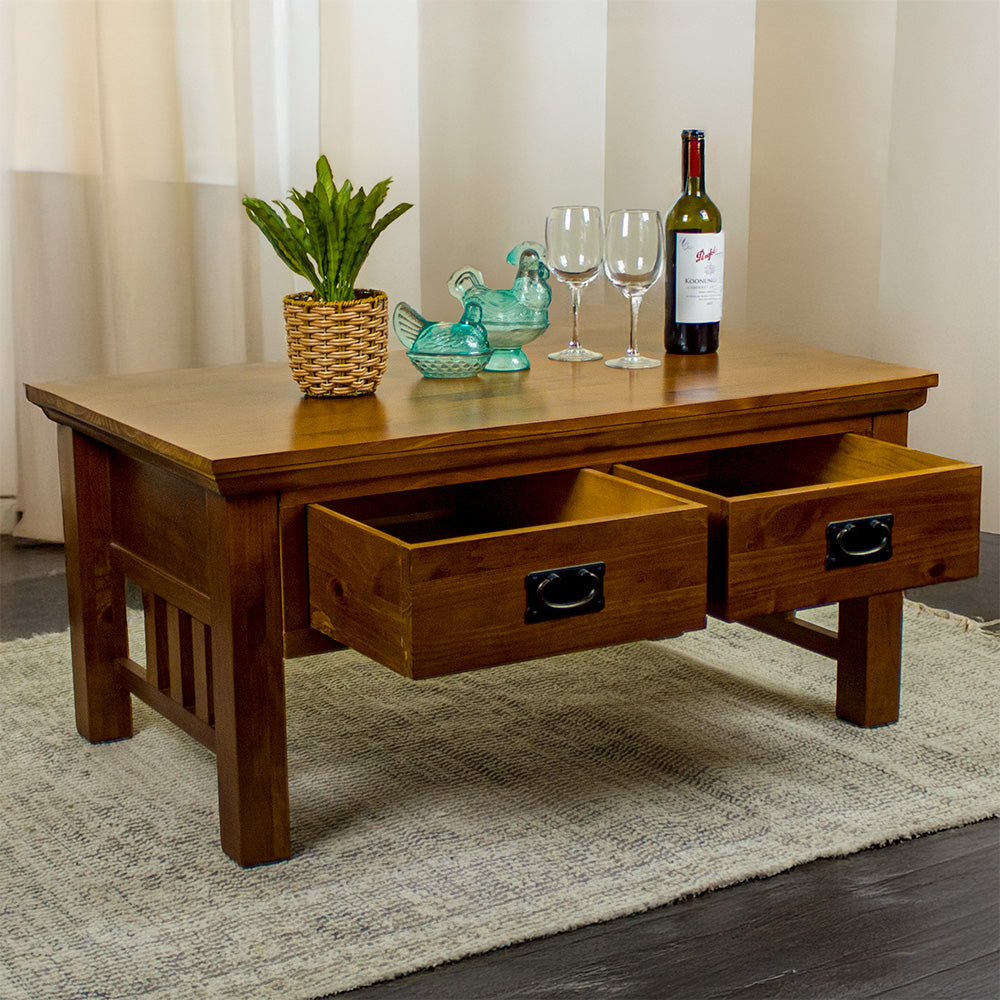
(247, 427)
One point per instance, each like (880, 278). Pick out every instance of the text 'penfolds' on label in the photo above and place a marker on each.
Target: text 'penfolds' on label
(700, 260)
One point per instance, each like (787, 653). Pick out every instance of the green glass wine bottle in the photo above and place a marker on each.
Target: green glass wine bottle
(695, 254)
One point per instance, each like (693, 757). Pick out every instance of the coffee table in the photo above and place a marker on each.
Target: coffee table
(211, 488)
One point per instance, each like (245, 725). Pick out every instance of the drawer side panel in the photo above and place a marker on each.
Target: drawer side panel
(358, 589)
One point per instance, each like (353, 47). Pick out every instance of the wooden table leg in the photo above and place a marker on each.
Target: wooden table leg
(98, 629)
(871, 633)
(248, 677)
(868, 664)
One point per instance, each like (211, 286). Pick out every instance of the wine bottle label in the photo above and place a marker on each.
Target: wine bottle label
(700, 259)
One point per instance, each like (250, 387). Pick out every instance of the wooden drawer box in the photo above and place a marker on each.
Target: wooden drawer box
(440, 580)
(800, 523)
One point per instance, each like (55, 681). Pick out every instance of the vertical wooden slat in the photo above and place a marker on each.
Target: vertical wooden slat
(96, 591)
(181, 668)
(201, 657)
(179, 655)
(157, 647)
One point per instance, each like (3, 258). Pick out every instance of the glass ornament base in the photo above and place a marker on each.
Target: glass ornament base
(508, 359)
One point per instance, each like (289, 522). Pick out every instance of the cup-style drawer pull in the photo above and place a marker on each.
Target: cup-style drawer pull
(564, 592)
(858, 541)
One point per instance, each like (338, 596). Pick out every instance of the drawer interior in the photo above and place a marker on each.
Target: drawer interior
(514, 504)
(791, 465)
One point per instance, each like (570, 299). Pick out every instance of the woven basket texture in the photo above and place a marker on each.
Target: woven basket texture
(338, 348)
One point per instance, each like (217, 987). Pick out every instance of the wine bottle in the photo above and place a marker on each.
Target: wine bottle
(695, 254)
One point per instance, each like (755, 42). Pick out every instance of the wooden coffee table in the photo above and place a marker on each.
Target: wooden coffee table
(231, 501)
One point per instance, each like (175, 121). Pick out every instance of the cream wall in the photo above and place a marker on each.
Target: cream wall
(512, 99)
(572, 101)
(874, 223)
(939, 294)
(822, 107)
(656, 89)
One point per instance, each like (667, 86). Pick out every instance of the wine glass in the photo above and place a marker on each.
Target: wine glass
(573, 253)
(633, 260)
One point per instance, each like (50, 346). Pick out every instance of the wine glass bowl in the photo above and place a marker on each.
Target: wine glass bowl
(573, 249)
(633, 261)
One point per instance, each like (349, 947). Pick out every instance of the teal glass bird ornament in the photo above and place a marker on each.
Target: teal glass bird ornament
(513, 316)
(443, 350)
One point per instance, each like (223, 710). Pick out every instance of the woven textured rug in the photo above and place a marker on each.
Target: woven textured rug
(438, 819)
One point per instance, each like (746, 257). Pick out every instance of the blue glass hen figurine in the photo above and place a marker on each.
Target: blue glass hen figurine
(513, 317)
(443, 350)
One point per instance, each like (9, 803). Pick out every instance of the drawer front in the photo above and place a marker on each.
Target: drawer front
(476, 599)
(783, 549)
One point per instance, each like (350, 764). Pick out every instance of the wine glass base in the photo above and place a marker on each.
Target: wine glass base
(576, 354)
(633, 361)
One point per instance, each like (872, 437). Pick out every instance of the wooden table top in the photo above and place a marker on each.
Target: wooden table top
(251, 419)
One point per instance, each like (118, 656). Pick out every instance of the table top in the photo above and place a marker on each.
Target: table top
(246, 420)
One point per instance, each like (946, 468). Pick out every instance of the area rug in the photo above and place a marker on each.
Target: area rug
(438, 819)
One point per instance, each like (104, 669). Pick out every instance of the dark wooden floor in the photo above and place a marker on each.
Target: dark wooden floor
(916, 920)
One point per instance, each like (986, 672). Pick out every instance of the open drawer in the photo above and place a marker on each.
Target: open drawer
(799, 523)
(444, 579)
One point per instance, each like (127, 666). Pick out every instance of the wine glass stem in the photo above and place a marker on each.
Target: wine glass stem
(634, 301)
(574, 343)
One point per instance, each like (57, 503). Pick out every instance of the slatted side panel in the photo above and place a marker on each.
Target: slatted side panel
(179, 656)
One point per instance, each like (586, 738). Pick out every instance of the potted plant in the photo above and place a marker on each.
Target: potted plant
(337, 333)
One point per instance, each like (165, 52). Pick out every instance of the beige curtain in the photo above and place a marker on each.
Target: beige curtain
(133, 127)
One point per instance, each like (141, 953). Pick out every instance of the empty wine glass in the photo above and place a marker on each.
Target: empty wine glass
(573, 253)
(633, 260)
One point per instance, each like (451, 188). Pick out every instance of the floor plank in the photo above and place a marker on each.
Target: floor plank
(924, 910)
(973, 980)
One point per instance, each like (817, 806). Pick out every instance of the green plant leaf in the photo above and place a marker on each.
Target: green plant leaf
(361, 224)
(357, 226)
(325, 236)
(377, 195)
(391, 216)
(329, 240)
(284, 242)
(340, 205)
(301, 227)
(295, 226)
(324, 179)
(312, 216)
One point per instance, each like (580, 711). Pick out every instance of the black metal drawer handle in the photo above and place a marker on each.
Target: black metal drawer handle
(852, 529)
(564, 592)
(584, 574)
(858, 541)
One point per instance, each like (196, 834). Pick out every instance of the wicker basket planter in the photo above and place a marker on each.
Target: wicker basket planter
(338, 348)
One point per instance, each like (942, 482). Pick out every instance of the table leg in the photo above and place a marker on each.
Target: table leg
(868, 663)
(248, 677)
(871, 633)
(98, 629)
